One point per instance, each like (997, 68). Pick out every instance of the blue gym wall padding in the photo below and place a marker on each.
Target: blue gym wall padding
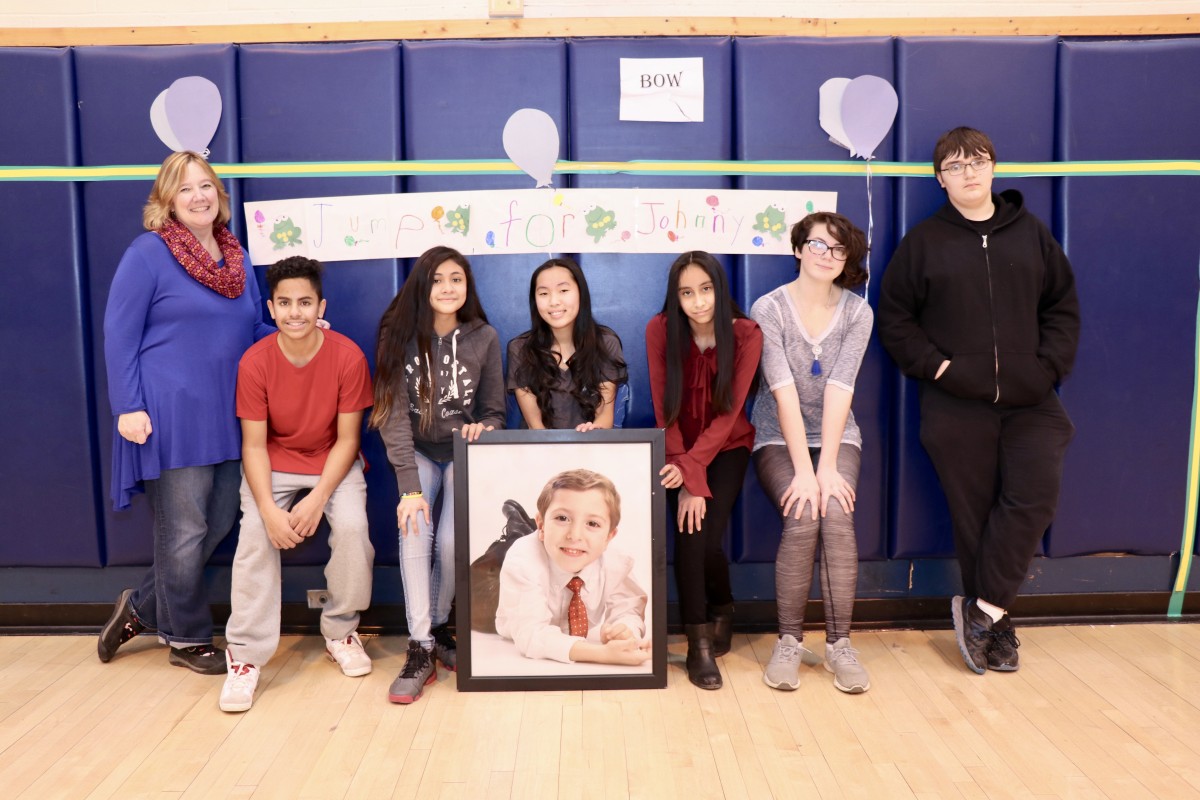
(48, 486)
(1134, 243)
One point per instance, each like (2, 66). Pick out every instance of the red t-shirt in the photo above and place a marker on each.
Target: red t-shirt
(300, 404)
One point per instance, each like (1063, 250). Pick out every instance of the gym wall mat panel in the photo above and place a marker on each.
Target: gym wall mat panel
(458, 95)
(628, 290)
(777, 83)
(48, 488)
(116, 87)
(1005, 87)
(331, 102)
(1134, 244)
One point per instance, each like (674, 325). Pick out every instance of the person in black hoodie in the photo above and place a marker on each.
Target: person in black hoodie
(979, 304)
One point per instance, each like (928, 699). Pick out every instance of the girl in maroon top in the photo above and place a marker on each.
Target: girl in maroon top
(703, 357)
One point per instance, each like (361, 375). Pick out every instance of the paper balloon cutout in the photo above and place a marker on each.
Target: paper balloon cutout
(858, 114)
(831, 92)
(186, 114)
(158, 119)
(531, 141)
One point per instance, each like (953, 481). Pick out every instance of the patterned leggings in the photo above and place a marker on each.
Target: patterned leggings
(798, 548)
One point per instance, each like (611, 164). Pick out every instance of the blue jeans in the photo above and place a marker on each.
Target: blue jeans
(194, 508)
(426, 559)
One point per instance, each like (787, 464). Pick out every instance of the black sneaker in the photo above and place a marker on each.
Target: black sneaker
(120, 628)
(419, 671)
(203, 658)
(973, 630)
(444, 647)
(1002, 655)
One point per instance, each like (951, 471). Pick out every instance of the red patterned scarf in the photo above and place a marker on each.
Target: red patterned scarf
(193, 257)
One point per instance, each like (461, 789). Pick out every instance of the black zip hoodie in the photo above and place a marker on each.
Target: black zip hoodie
(996, 298)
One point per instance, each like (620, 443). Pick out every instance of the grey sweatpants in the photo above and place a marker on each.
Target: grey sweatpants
(253, 629)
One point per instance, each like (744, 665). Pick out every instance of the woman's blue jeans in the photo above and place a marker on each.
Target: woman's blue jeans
(427, 558)
(194, 509)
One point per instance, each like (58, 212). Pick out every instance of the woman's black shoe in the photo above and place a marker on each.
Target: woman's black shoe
(203, 658)
(122, 626)
(701, 665)
(721, 619)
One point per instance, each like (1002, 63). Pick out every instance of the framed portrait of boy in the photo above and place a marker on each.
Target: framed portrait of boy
(561, 560)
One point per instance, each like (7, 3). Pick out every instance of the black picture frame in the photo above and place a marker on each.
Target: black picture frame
(504, 466)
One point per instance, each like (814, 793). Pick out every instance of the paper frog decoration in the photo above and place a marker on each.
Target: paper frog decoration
(599, 222)
(285, 234)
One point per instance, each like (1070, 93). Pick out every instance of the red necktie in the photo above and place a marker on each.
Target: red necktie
(577, 612)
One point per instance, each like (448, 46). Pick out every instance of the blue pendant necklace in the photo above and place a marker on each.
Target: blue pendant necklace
(816, 348)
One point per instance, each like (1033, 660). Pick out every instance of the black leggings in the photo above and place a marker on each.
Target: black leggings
(798, 547)
(701, 566)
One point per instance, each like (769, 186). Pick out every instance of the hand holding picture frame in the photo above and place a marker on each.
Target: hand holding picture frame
(535, 510)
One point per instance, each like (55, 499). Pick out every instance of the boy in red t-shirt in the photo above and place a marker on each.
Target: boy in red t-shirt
(300, 396)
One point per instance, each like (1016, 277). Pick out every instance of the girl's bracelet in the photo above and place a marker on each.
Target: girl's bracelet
(407, 495)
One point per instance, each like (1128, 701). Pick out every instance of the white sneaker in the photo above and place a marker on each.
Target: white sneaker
(349, 655)
(240, 682)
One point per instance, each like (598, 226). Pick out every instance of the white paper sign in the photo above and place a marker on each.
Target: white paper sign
(662, 89)
(529, 221)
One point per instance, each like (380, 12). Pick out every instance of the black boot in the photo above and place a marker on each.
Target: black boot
(721, 619)
(701, 666)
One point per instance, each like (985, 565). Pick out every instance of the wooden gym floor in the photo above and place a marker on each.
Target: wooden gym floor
(1095, 711)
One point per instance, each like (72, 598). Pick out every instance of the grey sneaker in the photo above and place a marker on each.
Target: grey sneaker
(783, 670)
(842, 660)
(419, 671)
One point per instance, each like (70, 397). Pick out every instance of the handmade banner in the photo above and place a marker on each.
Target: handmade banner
(529, 221)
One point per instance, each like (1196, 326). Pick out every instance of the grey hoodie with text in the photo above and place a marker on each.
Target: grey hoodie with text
(468, 381)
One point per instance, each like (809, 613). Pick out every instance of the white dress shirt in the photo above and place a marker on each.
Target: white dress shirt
(534, 599)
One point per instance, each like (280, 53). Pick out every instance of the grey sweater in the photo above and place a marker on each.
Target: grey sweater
(788, 355)
(468, 382)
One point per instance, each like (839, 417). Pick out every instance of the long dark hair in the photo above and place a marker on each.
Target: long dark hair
(409, 317)
(679, 335)
(539, 364)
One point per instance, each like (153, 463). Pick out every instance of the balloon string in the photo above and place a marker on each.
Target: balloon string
(870, 230)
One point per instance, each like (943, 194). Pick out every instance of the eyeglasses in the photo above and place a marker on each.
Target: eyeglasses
(819, 248)
(979, 165)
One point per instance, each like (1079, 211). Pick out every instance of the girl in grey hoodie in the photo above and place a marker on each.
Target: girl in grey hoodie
(438, 375)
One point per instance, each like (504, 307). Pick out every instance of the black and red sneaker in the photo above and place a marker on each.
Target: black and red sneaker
(419, 671)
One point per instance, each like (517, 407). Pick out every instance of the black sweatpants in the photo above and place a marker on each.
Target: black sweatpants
(701, 566)
(1001, 468)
